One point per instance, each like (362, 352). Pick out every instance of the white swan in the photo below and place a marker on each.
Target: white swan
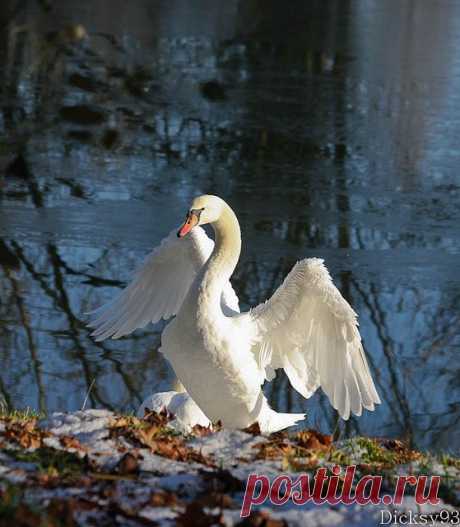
(221, 356)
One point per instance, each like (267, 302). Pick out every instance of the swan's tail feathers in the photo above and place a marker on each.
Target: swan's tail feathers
(271, 421)
(277, 422)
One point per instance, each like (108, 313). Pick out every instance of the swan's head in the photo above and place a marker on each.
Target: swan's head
(204, 209)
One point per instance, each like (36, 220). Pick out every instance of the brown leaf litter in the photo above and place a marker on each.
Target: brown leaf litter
(194, 515)
(300, 451)
(25, 434)
(152, 432)
(261, 519)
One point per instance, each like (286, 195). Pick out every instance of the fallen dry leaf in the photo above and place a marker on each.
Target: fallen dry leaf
(253, 429)
(71, 442)
(158, 418)
(159, 439)
(146, 435)
(274, 449)
(299, 451)
(221, 480)
(202, 431)
(219, 500)
(128, 464)
(195, 516)
(261, 519)
(313, 439)
(22, 516)
(26, 435)
(401, 451)
(64, 510)
(163, 498)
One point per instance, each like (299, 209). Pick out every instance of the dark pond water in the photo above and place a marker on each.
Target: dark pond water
(331, 127)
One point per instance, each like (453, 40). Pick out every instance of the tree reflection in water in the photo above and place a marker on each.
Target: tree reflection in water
(323, 139)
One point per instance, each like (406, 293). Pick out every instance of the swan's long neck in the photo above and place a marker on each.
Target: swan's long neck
(225, 256)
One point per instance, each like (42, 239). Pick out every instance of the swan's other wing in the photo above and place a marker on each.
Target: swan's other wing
(309, 329)
(159, 287)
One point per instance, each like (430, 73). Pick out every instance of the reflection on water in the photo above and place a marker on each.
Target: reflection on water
(325, 139)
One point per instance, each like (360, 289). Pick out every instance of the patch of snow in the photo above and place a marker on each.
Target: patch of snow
(228, 447)
(269, 467)
(160, 465)
(15, 475)
(86, 425)
(159, 514)
(183, 484)
(53, 442)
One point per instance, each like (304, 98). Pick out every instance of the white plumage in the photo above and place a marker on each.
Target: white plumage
(186, 412)
(159, 287)
(222, 356)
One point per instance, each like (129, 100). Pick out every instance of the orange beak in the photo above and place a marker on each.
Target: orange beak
(190, 222)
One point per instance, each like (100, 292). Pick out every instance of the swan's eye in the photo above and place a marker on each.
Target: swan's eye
(197, 212)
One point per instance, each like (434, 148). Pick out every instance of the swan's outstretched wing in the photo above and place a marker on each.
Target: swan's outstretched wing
(308, 329)
(159, 287)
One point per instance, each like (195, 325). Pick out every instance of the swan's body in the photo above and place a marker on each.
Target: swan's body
(221, 356)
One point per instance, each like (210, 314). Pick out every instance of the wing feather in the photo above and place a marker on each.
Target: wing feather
(159, 287)
(308, 329)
